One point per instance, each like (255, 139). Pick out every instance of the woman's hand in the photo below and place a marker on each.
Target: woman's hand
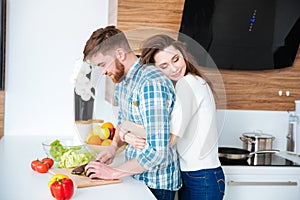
(137, 142)
(173, 139)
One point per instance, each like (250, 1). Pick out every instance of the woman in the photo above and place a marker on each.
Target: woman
(193, 119)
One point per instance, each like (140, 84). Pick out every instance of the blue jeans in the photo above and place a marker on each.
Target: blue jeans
(206, 184)
(163, 194)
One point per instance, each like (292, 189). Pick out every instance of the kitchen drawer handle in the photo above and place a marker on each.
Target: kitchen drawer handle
(287, 183)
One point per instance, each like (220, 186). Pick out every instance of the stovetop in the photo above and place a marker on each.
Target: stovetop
(267, 159)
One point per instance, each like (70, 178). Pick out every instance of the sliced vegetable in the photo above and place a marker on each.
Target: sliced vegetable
(79, 170)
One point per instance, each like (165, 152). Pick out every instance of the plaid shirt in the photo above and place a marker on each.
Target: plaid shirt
(145, 96)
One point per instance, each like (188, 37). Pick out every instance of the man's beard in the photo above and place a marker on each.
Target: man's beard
(119, 75)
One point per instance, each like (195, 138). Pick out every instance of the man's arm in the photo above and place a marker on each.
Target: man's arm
(99, 170)
(107, 156)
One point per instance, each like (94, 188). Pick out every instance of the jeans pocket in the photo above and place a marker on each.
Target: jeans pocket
(220, 178)
(195, 174)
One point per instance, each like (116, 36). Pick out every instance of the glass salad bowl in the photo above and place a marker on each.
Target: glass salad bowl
(56, 148)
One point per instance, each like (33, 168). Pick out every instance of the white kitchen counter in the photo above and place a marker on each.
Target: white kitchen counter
(18, 181)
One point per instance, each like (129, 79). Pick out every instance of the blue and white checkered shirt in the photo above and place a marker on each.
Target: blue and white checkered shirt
(145, 96)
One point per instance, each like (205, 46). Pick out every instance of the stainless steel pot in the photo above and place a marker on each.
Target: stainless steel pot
(257, 141)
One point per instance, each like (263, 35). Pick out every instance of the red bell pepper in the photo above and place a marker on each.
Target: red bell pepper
(62, 189)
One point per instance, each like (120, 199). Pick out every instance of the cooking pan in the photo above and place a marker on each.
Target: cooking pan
(238, 154)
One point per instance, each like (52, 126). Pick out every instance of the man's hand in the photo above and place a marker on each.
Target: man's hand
(97, 169)
(107, 156)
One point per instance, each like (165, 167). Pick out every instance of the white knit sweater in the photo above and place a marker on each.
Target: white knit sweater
(194, 121)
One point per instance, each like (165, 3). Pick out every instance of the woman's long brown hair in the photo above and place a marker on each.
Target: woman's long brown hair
(151, 46)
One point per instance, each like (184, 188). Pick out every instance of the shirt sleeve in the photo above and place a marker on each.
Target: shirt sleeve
(184, 111)
(156, 104)
(176, 117)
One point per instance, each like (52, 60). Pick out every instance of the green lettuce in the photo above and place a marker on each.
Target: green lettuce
(69, 157)
(57, 150)
(72, 159)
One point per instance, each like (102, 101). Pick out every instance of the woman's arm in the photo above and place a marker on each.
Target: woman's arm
(137, 142)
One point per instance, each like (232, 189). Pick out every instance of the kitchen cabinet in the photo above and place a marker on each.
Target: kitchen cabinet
(275, 187)
(262, 183)
(260, 90)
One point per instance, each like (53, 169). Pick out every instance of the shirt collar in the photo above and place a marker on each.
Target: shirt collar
(132, 71)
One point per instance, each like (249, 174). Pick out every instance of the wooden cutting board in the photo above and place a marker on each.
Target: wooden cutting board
(81, 181)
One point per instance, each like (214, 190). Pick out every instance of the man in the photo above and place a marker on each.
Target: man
(144, 96)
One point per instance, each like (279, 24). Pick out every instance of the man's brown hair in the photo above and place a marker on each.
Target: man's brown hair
(105, 40)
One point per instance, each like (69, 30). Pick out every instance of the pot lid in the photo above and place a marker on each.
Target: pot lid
(257, 135)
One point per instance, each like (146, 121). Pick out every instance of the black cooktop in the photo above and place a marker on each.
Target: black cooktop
(267, 159)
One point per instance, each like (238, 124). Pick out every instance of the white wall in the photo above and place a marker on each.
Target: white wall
(237, 122)
(44, 38)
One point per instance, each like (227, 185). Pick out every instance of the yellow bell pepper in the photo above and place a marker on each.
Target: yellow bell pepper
(55, 178)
